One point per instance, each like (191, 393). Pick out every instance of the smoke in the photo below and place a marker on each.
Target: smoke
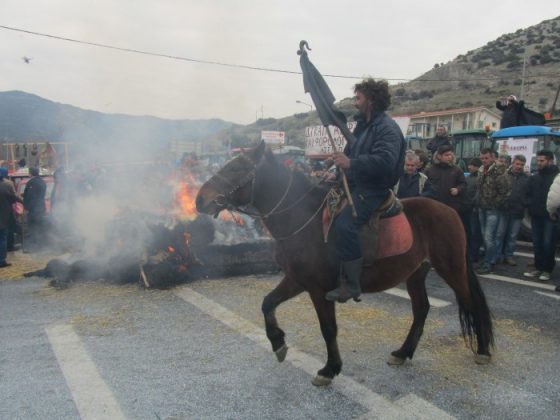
(109, 200)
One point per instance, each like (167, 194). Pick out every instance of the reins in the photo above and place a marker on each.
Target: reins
(224, 200)
(283, 238)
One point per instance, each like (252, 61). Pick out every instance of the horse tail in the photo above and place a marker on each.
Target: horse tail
(475, 316)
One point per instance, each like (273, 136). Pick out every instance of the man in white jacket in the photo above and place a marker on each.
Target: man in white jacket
(553, 204)
(553, 199)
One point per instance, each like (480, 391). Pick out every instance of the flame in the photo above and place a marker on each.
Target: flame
(232, 217)
(186, 198)
(186, 188)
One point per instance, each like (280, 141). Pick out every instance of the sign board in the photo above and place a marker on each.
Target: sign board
(273, 137)
(514, 146)
(318, 145)
(317, 140)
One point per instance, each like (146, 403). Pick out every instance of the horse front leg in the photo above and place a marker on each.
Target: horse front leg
(286, 290)
(327, 320)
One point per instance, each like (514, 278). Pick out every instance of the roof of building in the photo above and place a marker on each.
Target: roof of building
(453, 111)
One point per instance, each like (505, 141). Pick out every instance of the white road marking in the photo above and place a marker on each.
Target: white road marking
(377, 405)
(437, 303)
(518, 281)
(93, 398)
(527, 255)
(548, 294)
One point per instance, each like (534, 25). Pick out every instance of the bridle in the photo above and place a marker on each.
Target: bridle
(226, 202)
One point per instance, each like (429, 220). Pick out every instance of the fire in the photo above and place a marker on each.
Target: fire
(186, 198)
(232, 217)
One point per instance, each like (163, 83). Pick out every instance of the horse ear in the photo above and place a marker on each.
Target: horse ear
(258, 152)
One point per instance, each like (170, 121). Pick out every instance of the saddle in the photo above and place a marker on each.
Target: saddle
(387, 232)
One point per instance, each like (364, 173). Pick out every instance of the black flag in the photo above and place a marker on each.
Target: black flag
(315, 85)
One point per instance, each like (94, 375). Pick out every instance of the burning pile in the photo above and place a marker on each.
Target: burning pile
(168, 249)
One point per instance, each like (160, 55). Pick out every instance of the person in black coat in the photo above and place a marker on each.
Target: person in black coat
(440, 139)
(7, 198)
(373, 165)
(511, 110)
(514, 211)
(447, 180)
(34, 204)
(544, 229)
(469, 212)
(412, 182)
(515, 114)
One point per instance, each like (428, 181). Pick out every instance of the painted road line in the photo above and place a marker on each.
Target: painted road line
(518, 281)
(437, 303)
(93, 398)
(556, 296)
(421, 408)
(377, 405)
(527, 255)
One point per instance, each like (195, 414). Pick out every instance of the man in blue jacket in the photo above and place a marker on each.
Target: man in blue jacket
(373, 165)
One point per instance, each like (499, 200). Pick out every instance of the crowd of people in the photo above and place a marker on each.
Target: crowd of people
(491, 201)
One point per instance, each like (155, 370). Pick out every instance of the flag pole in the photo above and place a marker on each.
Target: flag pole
(344, 179)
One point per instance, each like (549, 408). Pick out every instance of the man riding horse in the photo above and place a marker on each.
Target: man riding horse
(373, 165)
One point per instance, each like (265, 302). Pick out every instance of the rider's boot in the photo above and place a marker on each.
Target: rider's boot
(349, 282)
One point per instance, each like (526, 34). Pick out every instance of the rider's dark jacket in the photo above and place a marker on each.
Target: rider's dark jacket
(377, 156)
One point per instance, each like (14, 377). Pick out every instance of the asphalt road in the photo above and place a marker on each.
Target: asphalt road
(198, 351)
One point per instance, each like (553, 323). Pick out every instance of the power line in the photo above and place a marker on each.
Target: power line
(241, 66)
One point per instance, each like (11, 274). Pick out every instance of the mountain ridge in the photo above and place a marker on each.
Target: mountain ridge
(525, 63)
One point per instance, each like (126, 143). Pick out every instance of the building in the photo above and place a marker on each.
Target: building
(424, 124)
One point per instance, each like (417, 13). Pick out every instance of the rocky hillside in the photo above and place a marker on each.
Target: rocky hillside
(495, 70)
(477, 78)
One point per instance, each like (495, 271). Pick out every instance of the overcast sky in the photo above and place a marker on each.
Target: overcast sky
(389, 39)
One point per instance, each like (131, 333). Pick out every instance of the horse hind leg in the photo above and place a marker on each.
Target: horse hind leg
(474, 313)
(285, 290)
(416, 286)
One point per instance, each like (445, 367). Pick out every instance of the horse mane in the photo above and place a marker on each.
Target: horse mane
(300, 180)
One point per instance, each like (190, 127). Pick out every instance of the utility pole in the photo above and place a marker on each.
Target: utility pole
(523, 77)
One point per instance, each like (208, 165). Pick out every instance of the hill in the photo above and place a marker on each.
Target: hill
(25, 117)
(525, 63)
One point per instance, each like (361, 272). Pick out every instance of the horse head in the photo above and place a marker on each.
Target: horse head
(232, 187)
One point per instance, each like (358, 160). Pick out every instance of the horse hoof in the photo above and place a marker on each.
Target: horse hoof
(395, 361)
(281, 353)
(482, 359)
(320, 380)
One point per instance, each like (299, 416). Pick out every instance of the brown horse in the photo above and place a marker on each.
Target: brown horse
(290, 205)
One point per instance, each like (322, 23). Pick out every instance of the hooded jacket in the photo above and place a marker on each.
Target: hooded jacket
(443, 176)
